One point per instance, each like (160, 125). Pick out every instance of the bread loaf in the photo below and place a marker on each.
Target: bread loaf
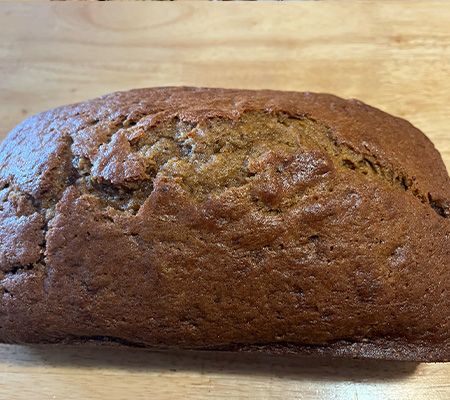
(226, 220)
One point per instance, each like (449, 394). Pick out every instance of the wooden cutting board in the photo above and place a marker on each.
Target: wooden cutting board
(394, 55)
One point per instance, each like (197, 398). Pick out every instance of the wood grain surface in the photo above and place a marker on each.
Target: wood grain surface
(394, 55)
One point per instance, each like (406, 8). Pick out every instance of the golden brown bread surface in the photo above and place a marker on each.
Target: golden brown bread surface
(226, 219)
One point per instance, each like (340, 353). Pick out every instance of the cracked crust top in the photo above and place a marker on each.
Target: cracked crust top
(227, 219)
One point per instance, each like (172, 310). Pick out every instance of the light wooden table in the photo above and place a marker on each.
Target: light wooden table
(393, 55)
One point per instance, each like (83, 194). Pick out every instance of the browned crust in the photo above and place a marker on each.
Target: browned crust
(164, 244)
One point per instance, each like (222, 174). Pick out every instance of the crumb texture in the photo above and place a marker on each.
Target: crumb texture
(226, 219)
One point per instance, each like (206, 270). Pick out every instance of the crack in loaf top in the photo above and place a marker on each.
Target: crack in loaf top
(51, 140)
